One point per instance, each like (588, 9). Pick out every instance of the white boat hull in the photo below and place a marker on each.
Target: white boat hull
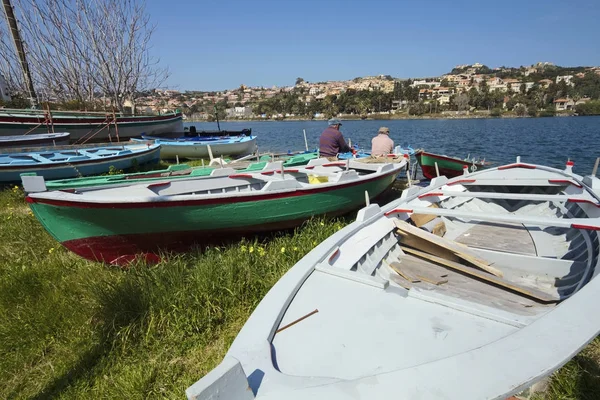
(344, 324)
(195, 151)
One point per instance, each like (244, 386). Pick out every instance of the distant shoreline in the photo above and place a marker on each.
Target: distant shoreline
(384, 117)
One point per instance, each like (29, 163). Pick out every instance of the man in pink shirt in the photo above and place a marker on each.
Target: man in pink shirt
(382, 145)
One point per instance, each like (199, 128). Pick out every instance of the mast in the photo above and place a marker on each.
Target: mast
(12, 23)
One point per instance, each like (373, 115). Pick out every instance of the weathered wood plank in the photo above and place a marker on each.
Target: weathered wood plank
(439, 246)
(511, 238)
(529, 292)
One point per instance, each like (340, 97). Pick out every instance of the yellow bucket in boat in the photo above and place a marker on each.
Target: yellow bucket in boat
(316, 179)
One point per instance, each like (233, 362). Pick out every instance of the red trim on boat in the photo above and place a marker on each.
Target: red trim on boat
(310, 167)
(570, 163)
(218, 200)
(68, 190)
(583, 201)
(335, 164)
(335, 253)
(268, 173)
(241, 176)
(568, 181)
(517, 165)
(398, 211)
(460, 181)
(432, 194)
(586, 227)
(289, 170)
(157, 184)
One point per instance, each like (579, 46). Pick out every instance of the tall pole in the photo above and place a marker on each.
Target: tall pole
(12, 23)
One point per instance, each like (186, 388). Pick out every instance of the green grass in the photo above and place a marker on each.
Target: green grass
(76, 329)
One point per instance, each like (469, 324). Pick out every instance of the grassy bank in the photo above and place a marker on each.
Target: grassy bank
(76, 329)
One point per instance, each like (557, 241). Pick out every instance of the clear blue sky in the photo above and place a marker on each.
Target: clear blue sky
(220, 44)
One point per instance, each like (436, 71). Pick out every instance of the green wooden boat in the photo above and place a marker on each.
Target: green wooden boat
(179, 171)
(450, 167)
(115, 224)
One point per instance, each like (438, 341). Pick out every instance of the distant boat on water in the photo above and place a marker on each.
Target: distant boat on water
(87, 126)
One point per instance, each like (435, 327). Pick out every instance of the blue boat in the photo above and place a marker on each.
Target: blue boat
(73, 161)
(197, 147)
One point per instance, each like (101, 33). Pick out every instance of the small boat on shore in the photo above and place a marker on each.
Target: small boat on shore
(447, 166)
(173, 172)
(114, 225)
(473, 287)
(71, 161)
(198, 147)
(42, 139)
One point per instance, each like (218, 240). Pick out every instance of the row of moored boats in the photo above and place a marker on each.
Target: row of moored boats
(457, 289)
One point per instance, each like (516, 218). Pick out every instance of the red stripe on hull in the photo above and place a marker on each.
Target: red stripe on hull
(429, 172)
(122, 249)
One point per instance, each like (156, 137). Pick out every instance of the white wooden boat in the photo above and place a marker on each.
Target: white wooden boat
(505, 297)
(201, 147)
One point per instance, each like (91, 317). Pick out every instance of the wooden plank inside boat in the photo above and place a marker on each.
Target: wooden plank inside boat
(422, 219)
(432, 244)
(514, 287)
(505, 237)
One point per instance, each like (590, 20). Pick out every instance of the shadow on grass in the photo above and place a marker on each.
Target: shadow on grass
(587, 385)
(121, 306)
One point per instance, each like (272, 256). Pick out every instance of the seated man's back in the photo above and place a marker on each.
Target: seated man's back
(332, 141)
(382, 145)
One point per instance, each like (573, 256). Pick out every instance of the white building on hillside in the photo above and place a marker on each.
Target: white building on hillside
(4, 95)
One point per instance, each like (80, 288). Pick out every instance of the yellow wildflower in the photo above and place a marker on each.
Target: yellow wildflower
(261, 251)
(243, 249)
(295, 248)
(322, 224)
(51, 250)
(251, 249)
(283, 249)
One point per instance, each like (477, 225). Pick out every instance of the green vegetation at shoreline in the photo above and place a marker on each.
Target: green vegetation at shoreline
(76, 329)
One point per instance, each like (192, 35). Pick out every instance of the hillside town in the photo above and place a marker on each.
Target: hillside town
(539, 88)
(542, 89)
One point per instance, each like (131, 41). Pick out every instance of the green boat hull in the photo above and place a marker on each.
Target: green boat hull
(116, 232)
(447, 166)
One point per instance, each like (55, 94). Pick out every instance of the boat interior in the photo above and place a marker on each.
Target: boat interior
(432, 286)
(272, 177)
(73, 155)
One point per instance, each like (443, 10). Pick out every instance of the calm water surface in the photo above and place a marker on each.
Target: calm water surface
(547, 141)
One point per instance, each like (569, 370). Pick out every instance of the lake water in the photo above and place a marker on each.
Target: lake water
(547, 141)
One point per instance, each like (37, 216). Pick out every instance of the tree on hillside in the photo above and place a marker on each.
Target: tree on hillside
(78, 48)
(299, 81)
(461, 101)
